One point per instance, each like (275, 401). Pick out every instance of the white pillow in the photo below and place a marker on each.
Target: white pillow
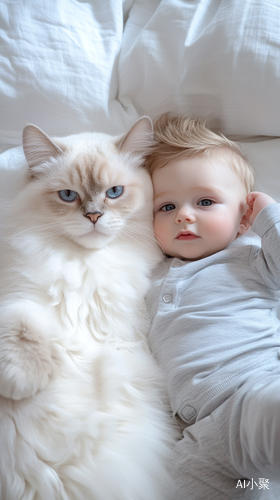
(264, 157)
(58, 66)
(213, 57)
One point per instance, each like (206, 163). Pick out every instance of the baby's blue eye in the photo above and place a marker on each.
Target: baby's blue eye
(114, 192)
(167, 208)
(68, 195)
(205, 203)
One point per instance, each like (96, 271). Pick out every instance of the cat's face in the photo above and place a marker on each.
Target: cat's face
(90, 189)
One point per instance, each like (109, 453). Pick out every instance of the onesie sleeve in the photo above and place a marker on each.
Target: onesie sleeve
(266, 260)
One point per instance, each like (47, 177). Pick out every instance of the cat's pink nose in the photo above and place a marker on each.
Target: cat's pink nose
(94, 217)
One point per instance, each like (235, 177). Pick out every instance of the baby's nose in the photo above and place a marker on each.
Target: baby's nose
(185, 214)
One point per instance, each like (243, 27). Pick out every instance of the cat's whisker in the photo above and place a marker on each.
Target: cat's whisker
(140, 225)
(142, 232)
(130, 236)
(36, 226)
(50, 236)
(37, 230)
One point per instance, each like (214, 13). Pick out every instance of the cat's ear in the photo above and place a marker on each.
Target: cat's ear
(139, 138)
(37, 146)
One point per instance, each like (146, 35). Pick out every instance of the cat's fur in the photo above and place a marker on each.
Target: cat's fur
(82, 415)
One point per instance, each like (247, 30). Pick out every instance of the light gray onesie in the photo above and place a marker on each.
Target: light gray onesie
(216, 335)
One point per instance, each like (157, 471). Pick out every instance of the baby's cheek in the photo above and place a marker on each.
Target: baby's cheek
(222, 229)
(159, 227)
(157, 222)
(162, 231)
(218, 223)
(213, 226)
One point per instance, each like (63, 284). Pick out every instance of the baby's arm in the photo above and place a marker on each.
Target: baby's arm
(264, 214)
(256, 201)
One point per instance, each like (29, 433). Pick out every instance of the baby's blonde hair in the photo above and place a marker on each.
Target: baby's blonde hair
(187, 137)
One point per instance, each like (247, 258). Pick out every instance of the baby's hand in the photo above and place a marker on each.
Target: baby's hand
(256, 201)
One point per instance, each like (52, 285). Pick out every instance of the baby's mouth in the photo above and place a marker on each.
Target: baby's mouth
(186, 235)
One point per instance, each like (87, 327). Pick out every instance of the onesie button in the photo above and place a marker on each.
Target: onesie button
(177, 264)
(189, 414)
(167, 298)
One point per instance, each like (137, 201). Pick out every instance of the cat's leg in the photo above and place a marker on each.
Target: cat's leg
(28, 356)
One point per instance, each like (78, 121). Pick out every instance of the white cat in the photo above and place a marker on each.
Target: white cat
(82, 412)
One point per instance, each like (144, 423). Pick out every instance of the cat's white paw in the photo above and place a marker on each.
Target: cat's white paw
(28, 358)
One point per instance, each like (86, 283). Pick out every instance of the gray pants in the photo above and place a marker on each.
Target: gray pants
(235, 451)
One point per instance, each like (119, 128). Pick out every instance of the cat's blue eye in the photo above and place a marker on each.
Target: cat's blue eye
(168, 207)
(205, 203)
(114, 192)
(68, 195)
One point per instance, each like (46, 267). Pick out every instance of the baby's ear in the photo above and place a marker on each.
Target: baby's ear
(244, 225)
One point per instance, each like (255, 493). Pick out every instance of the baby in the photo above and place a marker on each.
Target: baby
(213, 306)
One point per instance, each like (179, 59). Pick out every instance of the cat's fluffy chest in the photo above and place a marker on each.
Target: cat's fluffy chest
(92, 292)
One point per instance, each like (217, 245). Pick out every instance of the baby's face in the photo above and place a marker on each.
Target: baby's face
(199, 205)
